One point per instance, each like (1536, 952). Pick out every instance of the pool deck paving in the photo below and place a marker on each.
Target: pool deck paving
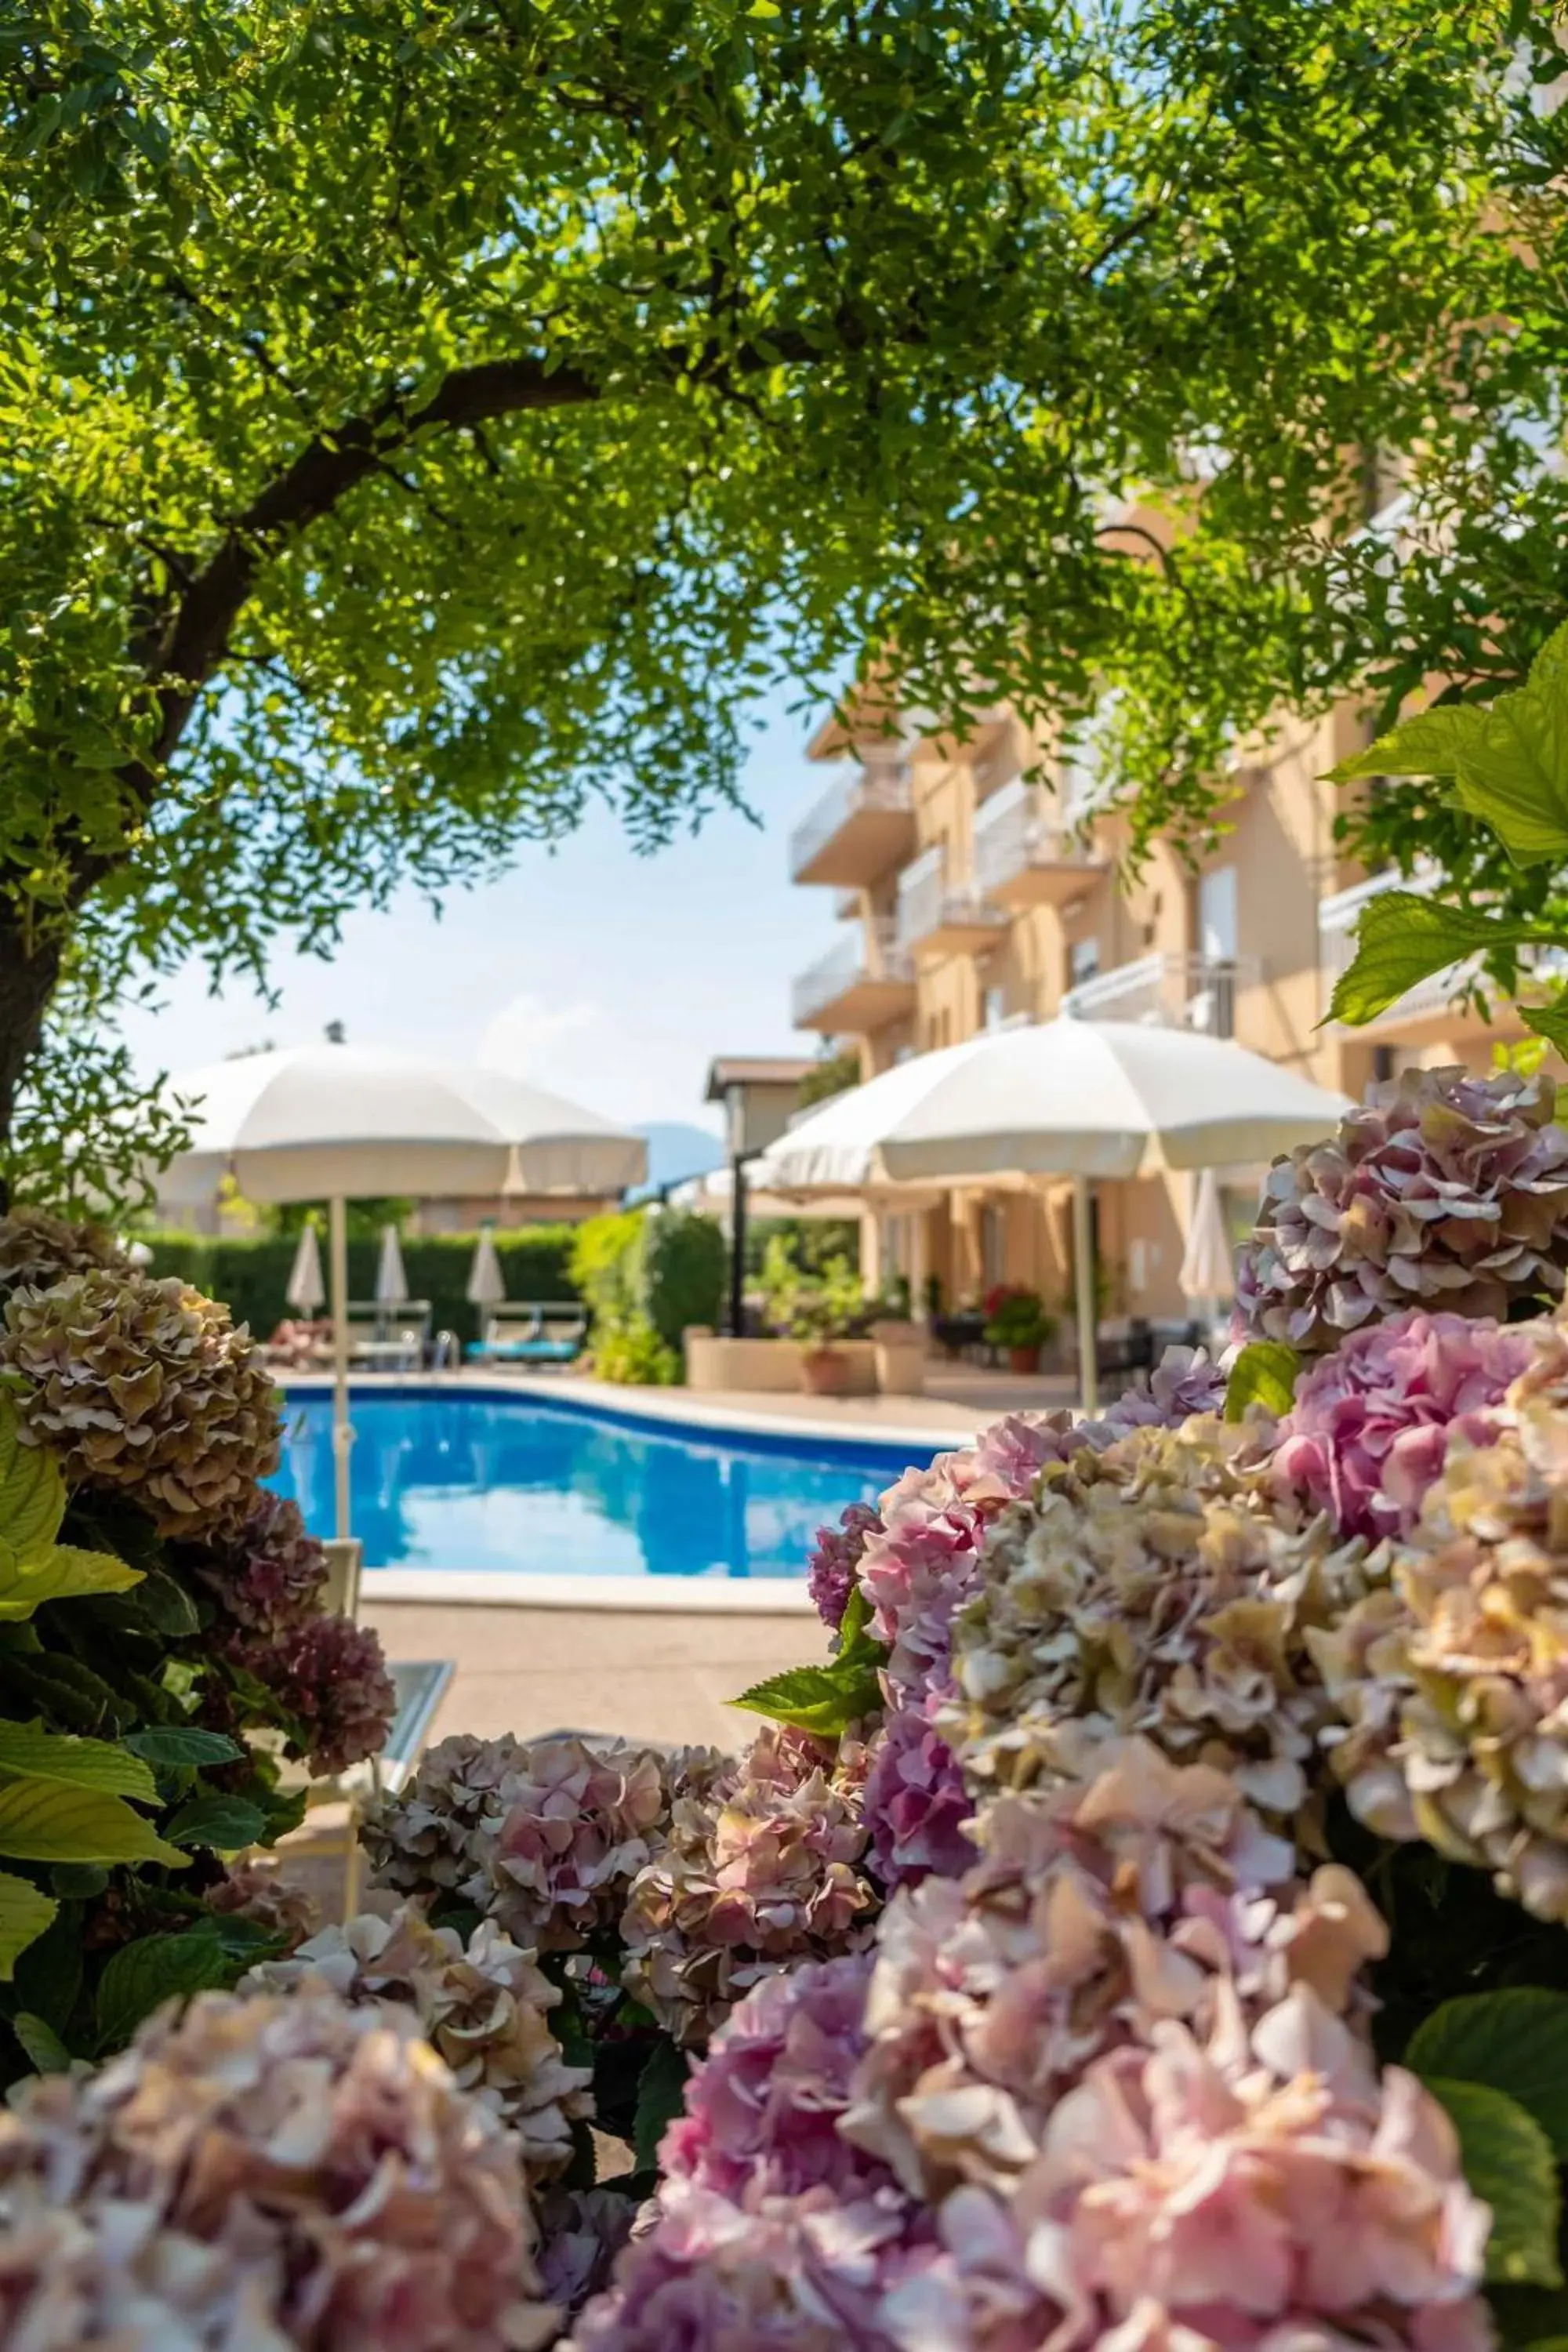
(649, 1658)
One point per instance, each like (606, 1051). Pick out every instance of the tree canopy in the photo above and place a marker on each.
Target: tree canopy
(418, 415)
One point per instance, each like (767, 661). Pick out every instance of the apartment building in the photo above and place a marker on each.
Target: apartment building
(969, 897)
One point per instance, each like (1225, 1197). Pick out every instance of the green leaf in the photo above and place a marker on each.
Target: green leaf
(141, 1975)
(171, 1745)
(1264, 1373)
(1515, 2041)
(1508, 2162)
(77, 1882)
(1548, 1021)
(226, 1824)
(41, 1822)
(32, 1753)
(825, 1700)
(1404, 938)
(42, 2044)
(25, 1914)
(1508, 761)
(32, 1491)
(62, 1573)
(661, 2091)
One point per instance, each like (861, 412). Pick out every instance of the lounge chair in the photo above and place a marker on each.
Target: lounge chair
(532, 1331)
(391, 1337)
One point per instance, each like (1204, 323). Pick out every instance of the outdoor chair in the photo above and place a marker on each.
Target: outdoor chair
(389, 1336)
(532, 1331)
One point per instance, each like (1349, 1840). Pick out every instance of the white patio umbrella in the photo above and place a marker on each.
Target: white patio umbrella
(486, 1284)
(1082, 1098)
(339, 1122)
(1206, 1261)
(305, 1289)
(391, 1282)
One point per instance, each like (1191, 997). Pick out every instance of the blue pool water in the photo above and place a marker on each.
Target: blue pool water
(476, 1481)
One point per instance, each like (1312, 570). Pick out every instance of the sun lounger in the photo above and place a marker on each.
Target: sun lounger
(391, 1337)
(532, 1332)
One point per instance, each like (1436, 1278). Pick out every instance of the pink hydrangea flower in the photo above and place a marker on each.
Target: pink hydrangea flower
(916, 1802)
(830, 1569)
(331, 1676)
(763, 2109)
(268, 1577)
(1439, 1190)
(1371, 1422)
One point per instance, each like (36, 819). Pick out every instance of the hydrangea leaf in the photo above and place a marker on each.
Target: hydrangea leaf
(25, 1912)
(44, 2050)
(1515, 2041)
(661, 2092)
(823, 1700)
(65, 1572)
(172, 1745)
(31, 1753)
(1508, 2162)
(141, 1975)
(1264, 1373)
(1403, 939)
(41, 1821)
(1508, 759)
(226, 1824)
(32, 1491)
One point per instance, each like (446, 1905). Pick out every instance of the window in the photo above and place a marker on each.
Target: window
(993, 1008)
(1083, 962)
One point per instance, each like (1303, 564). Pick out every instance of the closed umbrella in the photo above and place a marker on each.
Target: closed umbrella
(391, 1282)
(306, 1290)
(486, 1284)
(1082, 1098)
(337, 1122)
(1207, 1268)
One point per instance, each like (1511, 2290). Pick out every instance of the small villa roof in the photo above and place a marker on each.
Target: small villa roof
(756, 1070)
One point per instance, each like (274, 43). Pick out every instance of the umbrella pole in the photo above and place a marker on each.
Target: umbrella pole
(1083, 1269)
(342, 1435)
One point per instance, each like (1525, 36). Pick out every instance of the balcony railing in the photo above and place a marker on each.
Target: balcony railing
(1166, 992)
(872, 967)
(1026, 851)
(934, 912)
(880, 791)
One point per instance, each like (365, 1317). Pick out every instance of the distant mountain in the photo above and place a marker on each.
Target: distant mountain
(676, 1151)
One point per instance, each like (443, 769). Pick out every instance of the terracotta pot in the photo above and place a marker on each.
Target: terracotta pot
(824, 1371)
(1023, 1360)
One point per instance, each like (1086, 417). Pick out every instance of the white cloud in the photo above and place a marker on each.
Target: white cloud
(530, 1038)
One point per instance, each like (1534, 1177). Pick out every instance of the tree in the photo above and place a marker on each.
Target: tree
(415, 416)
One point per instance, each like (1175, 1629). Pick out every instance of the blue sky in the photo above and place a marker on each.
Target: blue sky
(612, 978)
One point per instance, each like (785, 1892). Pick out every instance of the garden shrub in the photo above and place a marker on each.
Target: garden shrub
(647, 1275)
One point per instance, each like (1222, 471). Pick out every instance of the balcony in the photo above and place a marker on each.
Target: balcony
(937, 919)
(860, 827)
(858, 988)
(1025, 854)
(1166, 992)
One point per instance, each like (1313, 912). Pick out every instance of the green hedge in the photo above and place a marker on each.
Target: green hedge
(250, 1276)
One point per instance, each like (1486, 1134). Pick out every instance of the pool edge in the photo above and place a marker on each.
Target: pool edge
(519, 1588)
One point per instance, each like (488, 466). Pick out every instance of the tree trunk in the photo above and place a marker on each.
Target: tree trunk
(26, 983)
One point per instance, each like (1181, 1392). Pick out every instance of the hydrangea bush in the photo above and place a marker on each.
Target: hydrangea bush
(164, 1644)
(1147, 1932)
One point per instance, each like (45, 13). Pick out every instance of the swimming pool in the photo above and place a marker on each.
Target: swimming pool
(479, 1481)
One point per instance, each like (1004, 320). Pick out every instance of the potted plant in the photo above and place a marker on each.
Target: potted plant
(819, 1313)
(1016, 1320)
